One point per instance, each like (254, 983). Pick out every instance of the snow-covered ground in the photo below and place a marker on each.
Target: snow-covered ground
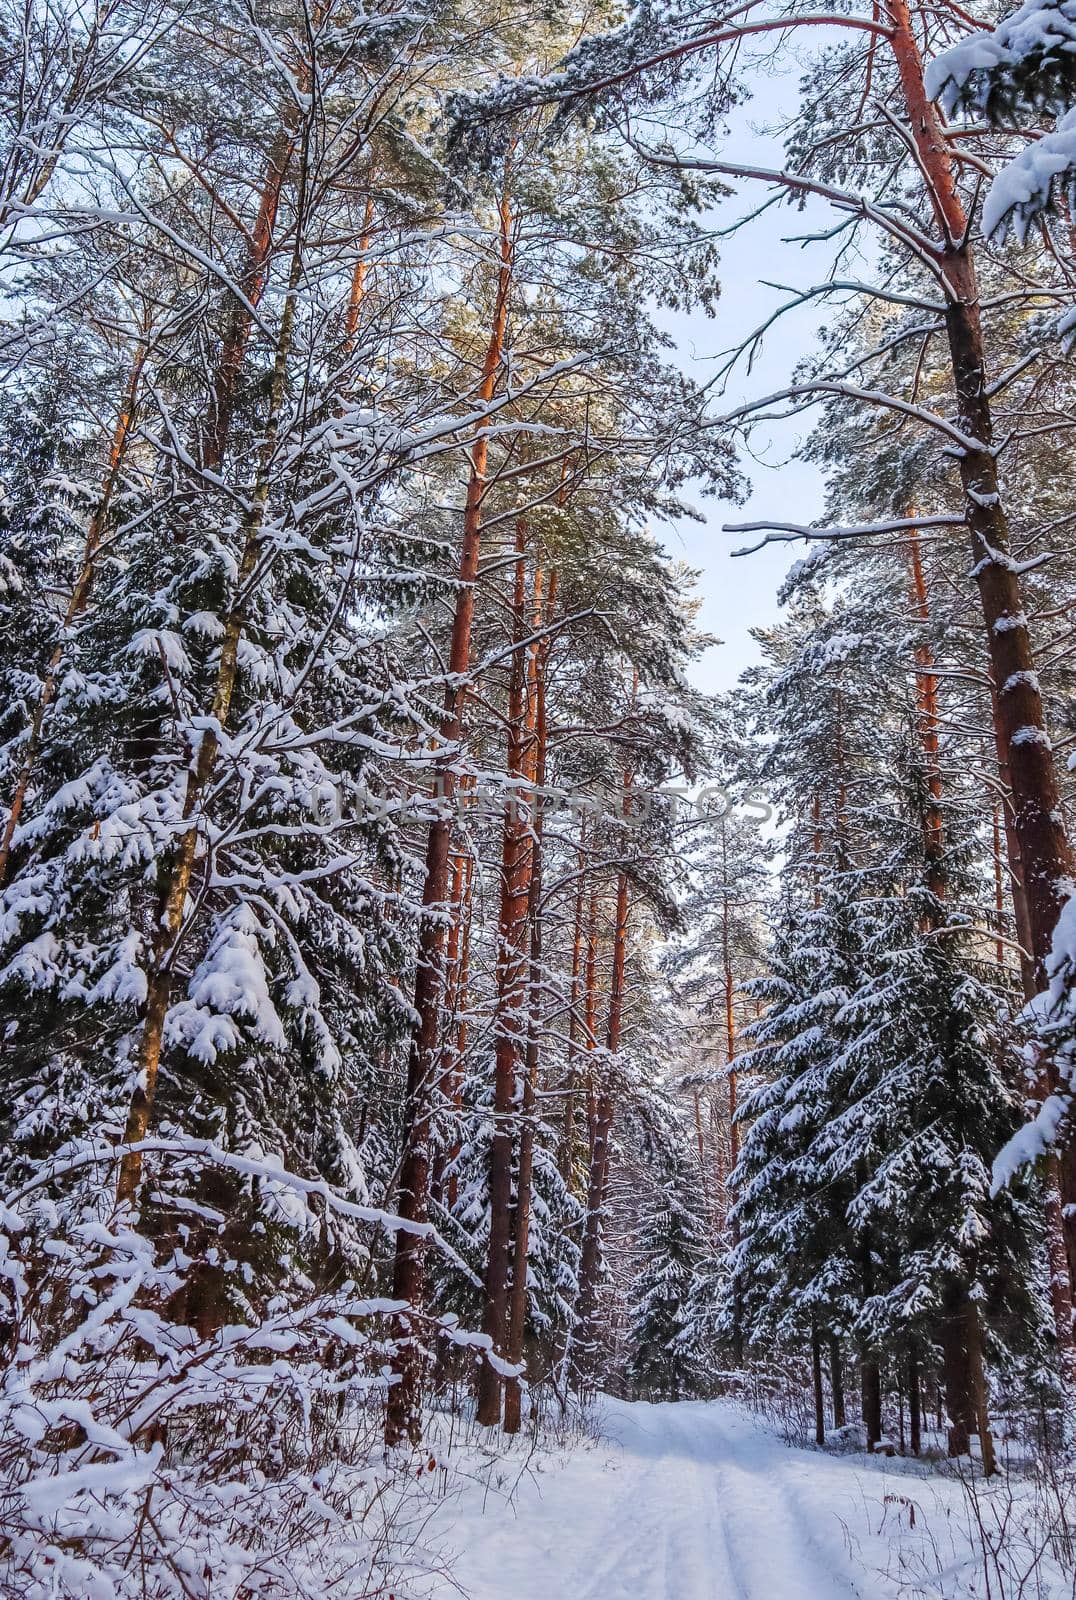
(698, 1501)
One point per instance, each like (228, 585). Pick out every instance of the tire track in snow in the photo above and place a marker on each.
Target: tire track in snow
(697, 1503)
(774, 1543)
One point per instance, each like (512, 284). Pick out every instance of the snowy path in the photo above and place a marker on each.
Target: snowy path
(682, 1502)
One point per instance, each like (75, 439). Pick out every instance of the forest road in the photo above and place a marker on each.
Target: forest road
(695, 1501)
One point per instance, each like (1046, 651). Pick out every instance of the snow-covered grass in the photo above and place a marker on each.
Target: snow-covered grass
(701, 1501)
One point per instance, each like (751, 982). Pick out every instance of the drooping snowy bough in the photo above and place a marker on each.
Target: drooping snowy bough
(1026, 64)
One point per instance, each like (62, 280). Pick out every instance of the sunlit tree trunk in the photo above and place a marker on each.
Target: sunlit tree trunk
(403, 1418)
(252, 281)
(461, 1028)
(1045, 866)
(446, 1082)
(1046, 855)
(358, 278)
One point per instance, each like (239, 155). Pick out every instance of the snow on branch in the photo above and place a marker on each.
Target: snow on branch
(629, 55)
(268, 1169)
(1030, 58)
(1028, 62)
(808, 393)
(788, 532)
(1022, 191)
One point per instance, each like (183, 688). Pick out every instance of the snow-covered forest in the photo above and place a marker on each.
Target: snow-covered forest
(484, 1113)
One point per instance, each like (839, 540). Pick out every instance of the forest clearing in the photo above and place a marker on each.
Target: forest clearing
(537, 762)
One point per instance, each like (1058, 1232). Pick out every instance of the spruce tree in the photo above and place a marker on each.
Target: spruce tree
(670, 1243)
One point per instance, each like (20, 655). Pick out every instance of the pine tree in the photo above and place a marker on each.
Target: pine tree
(929, 230)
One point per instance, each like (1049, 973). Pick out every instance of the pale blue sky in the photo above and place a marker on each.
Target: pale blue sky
(741, 592)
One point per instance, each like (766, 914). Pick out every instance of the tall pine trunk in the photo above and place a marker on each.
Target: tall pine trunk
(836, 1381)
(591, 1254)
(733, 1082)
(571, 1080)
(915, 1411)
(956, 1371)
(536, 775)
(968, 1350)
(358, 279)
(509, 1024)
(449, 1064)
(871, 1394)
(403, 1414)
(965, 1379)
(252, 281)
(1045, 865)
(461, 1029)
(926, 704)
(817, 1386)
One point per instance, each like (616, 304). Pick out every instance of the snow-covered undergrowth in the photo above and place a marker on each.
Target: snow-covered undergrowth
(142, 1458)
(951, 1534)
(933, 1526)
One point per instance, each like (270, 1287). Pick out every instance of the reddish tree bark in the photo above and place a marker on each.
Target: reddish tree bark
(358, 278)
(1046, 856)
(591, 1254)
(449, 1065)
(461, 1029)
(509, 1026)
(403, 1419)
(999, 883)
(538, 730)
(928, 717)
(1014, 861)
(252, 281)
